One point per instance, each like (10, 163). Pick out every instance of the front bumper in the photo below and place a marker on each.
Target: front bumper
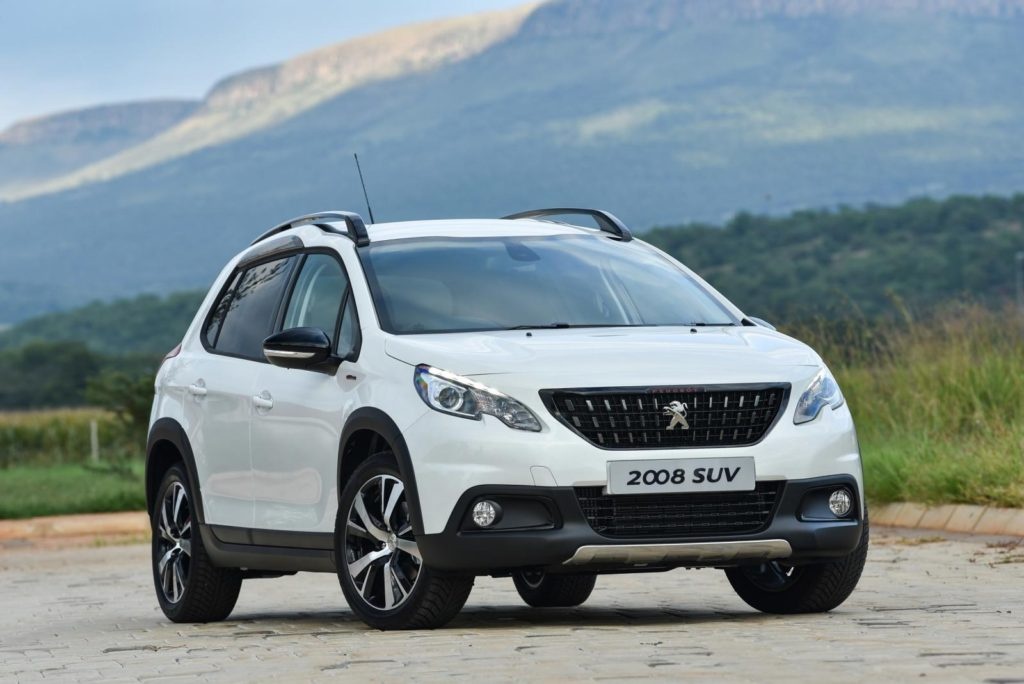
(550, 531)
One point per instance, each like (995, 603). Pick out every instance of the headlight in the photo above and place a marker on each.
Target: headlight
(459, 396)
(824, 391)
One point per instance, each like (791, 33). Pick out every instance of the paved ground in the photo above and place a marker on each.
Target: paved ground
(948, 610)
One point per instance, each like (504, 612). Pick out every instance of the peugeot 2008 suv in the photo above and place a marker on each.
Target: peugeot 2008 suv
(410, 405)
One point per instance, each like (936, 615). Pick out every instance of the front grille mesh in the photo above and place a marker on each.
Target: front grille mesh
(679, 515)
(640, 418)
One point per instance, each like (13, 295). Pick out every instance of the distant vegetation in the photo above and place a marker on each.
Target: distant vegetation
(145, 324)
(851, 263)
(61, 436)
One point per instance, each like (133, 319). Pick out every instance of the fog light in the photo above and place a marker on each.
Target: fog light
(485, 513)
(839, 502)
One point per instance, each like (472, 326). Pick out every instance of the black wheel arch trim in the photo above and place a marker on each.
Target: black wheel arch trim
(171, 431)
(370, 418)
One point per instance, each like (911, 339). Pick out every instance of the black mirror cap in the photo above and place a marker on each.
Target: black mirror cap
(307, 348)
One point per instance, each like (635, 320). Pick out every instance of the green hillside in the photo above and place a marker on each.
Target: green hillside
(852, 262)
(147, 325)
(659, 110)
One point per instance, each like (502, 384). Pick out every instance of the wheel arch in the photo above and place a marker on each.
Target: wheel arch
(168, 444)
(367, 431)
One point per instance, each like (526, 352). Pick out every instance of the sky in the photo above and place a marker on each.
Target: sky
(57, 55)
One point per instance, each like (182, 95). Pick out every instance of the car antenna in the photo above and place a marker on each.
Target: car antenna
(363, 183)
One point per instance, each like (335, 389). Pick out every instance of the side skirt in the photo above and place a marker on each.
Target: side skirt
(268, 550)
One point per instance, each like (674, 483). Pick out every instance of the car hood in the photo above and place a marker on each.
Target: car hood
(614, 356)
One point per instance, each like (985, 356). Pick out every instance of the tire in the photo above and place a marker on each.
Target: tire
(379, 568)
(188, 586)
(542, 590)
(788, 590)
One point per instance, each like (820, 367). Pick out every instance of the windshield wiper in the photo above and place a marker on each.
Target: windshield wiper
(539, 326)
(561, 324)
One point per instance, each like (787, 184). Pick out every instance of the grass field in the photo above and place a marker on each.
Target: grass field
(28, 491)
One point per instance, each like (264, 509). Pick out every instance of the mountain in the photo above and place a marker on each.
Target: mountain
(663, 111)
(36, 151)
(257, 99)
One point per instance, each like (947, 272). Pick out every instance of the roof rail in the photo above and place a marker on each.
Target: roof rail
(606, 221)
(322, 220)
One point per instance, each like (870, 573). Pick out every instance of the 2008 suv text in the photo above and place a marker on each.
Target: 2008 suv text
(414, 404)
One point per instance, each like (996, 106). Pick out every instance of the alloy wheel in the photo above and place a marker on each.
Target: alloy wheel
(381, 554)
(174, 544)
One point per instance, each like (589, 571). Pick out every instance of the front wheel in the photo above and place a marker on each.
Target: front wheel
(776, 587)
(379, 565)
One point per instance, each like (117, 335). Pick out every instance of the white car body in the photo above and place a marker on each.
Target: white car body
(266, 442)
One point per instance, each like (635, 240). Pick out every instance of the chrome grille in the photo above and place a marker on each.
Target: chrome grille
(639, 418)
(679, 515)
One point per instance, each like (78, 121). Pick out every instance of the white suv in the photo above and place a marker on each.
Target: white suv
(410, 405)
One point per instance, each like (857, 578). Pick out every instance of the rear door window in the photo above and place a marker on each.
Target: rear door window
(247, 314)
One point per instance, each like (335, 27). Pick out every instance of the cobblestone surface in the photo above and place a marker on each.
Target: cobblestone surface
(948, 610)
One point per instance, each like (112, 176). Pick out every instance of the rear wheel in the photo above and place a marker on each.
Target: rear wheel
(188, 586)
(542, 590)
(379, 566)
(776, 587)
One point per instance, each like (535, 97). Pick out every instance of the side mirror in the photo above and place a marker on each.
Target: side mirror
(761, 322)
(307, 348)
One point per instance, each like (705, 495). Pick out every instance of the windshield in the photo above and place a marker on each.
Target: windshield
(434, 285)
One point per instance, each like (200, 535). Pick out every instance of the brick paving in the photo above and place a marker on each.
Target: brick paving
(927, 609)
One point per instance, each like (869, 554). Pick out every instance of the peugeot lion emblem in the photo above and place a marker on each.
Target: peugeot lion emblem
(677, 410)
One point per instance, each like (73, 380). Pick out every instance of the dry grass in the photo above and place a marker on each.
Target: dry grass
(59, 436)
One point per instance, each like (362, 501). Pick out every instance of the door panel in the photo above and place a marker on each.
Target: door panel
(299, 414)
(295, 450)
(218, 405)
(218, 385)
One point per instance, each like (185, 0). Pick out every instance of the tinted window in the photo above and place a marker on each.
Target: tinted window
(451, 284)
(220, 310)
(251, 309)
(318, 294)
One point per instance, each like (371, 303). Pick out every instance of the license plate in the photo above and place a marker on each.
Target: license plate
(681, 475)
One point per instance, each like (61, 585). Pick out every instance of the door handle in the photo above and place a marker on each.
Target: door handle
(197, 389)
(263, 400)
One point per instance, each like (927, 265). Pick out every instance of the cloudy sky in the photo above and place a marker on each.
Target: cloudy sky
(65, 54)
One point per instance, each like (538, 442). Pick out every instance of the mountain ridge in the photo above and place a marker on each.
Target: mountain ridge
(33, 150)
(251, 100)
